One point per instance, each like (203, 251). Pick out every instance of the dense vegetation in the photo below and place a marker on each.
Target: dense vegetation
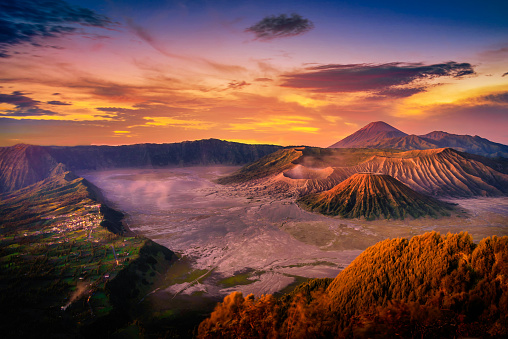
(430, 286)
(63, 270)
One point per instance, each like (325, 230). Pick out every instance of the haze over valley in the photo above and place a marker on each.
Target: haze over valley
(240, 230)
(253, 169)
(159, 234)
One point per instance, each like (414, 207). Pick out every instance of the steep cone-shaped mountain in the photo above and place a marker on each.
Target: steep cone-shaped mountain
(373, 132)
(374, 196)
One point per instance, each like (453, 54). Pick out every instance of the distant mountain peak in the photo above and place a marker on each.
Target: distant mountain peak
(381, 135)
(373, 132)
(380, 126)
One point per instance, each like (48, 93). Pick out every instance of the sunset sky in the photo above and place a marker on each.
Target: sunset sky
(281, 72)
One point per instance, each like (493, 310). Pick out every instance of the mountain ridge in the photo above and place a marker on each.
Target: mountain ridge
(22, 165)
(368, 137)
(442, 172)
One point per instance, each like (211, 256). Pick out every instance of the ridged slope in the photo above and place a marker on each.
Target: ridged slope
(373, 132)
(373, 196)
(23, 165)
(408, 142)
(438, 172)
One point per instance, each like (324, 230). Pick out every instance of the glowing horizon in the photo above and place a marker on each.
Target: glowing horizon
(96, 72)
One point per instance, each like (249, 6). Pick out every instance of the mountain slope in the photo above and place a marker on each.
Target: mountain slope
(373, 132)
(467, 143)
(429, 286)
(23, 165)
(441, 172)
(449, 271)
(373, 196)
(67, 263)
(383, 136)
(271, 164)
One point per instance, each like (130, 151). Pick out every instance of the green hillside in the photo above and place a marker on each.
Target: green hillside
(60, 259)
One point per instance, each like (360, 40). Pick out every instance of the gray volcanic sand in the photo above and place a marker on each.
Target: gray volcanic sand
(219, 228)
(225, 231)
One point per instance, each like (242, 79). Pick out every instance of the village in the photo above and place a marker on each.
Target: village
(72, 249)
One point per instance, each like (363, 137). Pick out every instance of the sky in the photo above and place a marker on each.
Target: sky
(277, 72)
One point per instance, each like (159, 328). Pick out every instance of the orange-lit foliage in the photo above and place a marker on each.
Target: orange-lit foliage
(429, 286)
(239, 317)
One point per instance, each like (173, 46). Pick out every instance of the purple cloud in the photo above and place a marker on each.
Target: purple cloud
(281, 26)
(58, 103)
(377, 78)
(25, 106)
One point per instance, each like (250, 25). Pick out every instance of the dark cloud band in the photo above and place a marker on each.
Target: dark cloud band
(280, 26)
(381, 79)
(28, 21)
(25, 106)
(58, 103)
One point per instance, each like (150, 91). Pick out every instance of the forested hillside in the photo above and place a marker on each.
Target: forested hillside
(429, 286)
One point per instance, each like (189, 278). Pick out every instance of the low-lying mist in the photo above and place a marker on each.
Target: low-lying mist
(235, 238)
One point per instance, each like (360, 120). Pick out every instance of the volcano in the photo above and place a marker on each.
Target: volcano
(374, 196)
(372, 133)
(380, 135)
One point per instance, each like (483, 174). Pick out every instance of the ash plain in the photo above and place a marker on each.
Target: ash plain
(232, 239)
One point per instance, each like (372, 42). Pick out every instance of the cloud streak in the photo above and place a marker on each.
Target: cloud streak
(58, 103)
(498, 98)
(237, 84)
(381, 79)
(25, 106)
(282, 26)
(29, 21)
